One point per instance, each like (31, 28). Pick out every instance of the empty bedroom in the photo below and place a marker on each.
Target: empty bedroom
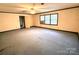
(39, 28)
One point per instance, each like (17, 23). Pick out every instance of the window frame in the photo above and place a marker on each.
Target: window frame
(50, 19)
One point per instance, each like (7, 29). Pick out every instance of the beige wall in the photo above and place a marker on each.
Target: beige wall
(11, 21)
(29, 21)
(68, 20)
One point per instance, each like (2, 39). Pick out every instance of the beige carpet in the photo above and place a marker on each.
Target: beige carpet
(38, 41)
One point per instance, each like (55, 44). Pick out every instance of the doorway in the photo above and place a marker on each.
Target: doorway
(22, 21)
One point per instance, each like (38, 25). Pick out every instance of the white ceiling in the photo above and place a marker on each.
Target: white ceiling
(26, 7)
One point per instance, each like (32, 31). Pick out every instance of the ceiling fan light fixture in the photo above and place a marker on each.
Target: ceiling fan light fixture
(32, 8)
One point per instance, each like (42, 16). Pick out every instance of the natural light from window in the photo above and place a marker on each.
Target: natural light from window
(50, 19)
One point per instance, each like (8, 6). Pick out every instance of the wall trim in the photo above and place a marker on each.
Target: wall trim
(44, 28)
(55, 29)
(58, 10)
(9, 30)
(14, 13)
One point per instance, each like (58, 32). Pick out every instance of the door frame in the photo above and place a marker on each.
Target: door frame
(23, 21)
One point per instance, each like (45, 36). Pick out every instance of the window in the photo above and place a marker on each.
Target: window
(49, 19)
(42, 19)
(53, 18)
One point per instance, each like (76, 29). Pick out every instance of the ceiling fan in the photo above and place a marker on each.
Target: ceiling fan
(33, 9)
(35, 4)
